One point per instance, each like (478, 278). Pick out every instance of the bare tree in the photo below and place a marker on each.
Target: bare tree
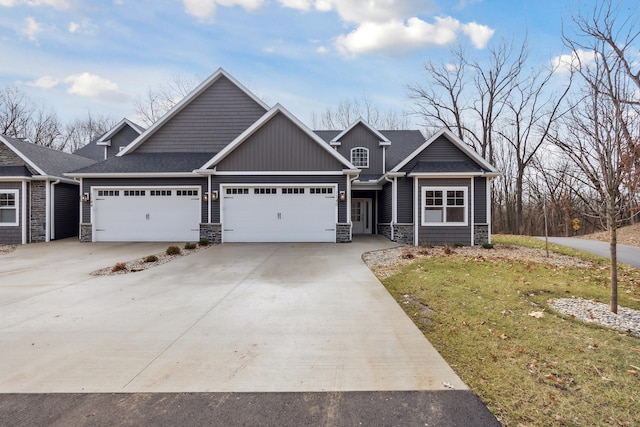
(15, 112)
(81, 131)
(598, 135)
(157, 101)
(350, 110)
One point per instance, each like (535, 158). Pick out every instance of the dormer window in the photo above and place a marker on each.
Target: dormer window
(360, 157)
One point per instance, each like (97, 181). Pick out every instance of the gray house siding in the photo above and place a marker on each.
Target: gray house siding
(121, 139)
(12, 235)
(87, 183)
(66, 215)
(279, 145)
(405, 200)
(385, 204)
(440, 150)
(445, 235)
(216, 181)
(360, 136)
(208, 123)
(480, 200)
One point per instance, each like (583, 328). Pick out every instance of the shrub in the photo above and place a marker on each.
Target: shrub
(151, 258)
(458, 245)
(204, 242)
(190, 246)
(408, 255)
(487, 245)
(121, 266)
(424, 251)
(448, 250)
(173, 250)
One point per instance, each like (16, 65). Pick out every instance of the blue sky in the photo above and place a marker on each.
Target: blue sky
(308, 55)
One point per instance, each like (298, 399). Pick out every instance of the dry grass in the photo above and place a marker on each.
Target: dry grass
(629, 235)
(474, 306)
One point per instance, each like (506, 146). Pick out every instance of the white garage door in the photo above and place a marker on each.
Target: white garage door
(146, 214)
(279, 213)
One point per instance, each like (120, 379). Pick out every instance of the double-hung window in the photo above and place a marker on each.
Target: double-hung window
(360, 157)
(8, 207)
(444, 206)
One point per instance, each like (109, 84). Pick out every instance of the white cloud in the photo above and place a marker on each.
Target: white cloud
(479, 34)
(58, 4)
(322, 50)
(85, 27)
(44, 82)
(396, 36)
(304, 5)
(361, 11)
(90, 85)
(205, 9)
(565, 64)
(32, 28)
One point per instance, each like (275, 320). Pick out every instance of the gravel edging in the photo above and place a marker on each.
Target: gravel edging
(140, 264)
(627, 319)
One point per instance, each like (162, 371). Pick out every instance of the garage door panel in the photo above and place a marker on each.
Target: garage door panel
(279, 216)
(141, 215)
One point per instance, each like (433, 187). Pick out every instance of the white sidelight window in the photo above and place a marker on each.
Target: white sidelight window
(444, 206)
(8, 207)
(360, 157)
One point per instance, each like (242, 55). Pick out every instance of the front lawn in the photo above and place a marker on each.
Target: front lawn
(488, 316)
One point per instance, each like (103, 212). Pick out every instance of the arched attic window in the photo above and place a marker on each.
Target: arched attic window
(360, 157)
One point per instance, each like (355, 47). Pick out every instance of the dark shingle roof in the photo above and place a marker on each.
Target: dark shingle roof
(51, 162)
(446, 167)
(91, 151)
(14, 171)
(149, 163)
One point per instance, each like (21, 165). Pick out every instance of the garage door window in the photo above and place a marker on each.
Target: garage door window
(293, 190)
(160, 192)
(9, 207)
(108, 193)
(134, 193)
(186, 192)
(323, 190)
(265, 191)
(237, 191)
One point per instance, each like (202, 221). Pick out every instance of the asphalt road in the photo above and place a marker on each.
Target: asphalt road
(626, 253)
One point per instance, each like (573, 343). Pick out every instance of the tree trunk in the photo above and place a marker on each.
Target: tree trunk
(613, 242)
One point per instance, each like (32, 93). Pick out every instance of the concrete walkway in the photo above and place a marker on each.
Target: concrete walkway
(626, 253)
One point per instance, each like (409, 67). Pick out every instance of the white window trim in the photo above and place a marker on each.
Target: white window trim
(16, 208)
(366, 150)
(423, 194)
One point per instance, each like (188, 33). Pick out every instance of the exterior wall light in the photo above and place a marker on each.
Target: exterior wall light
(343, 196)
(86, 197)
(214, 196)
(205, 197)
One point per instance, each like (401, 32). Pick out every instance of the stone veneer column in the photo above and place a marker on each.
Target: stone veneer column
(211, 232)
(480, 234)
(343, 233)
(403, 233)
(38, 208)
(86, 233)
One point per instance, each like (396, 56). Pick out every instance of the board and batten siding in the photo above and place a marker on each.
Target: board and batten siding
(87, 183)
(444, 235)
(217, 180)
(208, 123)
(360, 136)
(12, 235)
(279, 145)
(405, 201)
(440, 150)
(65, 211)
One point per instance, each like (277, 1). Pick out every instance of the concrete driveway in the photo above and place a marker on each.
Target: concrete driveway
(230, 318)
(626, 253)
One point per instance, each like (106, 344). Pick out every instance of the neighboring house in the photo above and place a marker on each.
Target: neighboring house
(112, 142)
(38, 202)
(222, 165)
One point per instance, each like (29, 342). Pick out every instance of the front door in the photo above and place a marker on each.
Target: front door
(361, 216)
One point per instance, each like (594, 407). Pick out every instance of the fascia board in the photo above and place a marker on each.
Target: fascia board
(133, 175)
(186, 101)
(454, 140)
(22, 156)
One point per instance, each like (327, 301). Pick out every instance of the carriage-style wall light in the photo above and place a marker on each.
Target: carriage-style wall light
(343, 196)
(86, 197)
(214, 196)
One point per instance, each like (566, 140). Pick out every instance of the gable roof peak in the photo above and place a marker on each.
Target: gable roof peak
(383, 139)
(184, 102)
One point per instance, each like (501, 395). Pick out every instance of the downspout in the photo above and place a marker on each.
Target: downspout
(51, 233)
(349, 181)
(417, 210)
(47, 210)
(488, 191)
(394, 214)
(209, 199)
(473, 205)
